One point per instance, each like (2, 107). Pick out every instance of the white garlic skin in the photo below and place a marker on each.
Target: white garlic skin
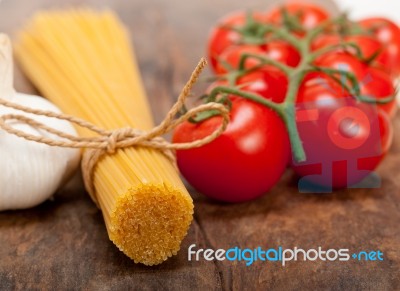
(30, 172)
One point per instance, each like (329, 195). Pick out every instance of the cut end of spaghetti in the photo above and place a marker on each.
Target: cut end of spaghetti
(149, 223)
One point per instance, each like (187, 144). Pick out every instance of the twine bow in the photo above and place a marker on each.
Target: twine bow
(109, 141)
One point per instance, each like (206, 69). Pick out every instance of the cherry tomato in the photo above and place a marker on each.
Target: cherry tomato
(283, 52)
(377, 84)
(268, 82)
(277, 50)
(341, 61)
(325, 40)
(232, 55)
(244, 162)
(309, 15)
(222, 36)
(373, 83)
(388, 34)
(344, 139)
(368, 45)
(319, 88)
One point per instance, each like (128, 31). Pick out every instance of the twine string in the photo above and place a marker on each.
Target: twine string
(109, 141)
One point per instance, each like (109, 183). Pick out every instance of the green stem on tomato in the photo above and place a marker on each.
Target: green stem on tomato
(350, 76)
(291, 22)
(341, 45)
(288, 37)
(368, 99)
(264, 61)
(247, 95)
(294, 136)
(296, 77)
(286, 110)
(313, 33)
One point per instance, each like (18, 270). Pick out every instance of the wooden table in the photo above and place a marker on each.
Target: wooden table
(63, 243)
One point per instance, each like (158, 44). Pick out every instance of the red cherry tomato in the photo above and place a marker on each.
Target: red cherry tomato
(277, 50)
(373, 83)
(325, 40)
(309, 15)
(232, 55)
(319, 88)
(388, 34)
(377, 84)
(267, 82)
(341, 61)
(344, 139)
(368, 45)
(244, 162)
(222, 36)
(283, 52)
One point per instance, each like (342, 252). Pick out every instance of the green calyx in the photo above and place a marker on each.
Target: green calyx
(251, 32)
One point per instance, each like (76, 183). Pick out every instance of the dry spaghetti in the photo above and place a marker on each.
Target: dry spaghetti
(81, 61)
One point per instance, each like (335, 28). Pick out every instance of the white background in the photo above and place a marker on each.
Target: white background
(364, 8)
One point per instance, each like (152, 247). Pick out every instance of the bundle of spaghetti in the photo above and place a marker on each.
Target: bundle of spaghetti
(83, 62)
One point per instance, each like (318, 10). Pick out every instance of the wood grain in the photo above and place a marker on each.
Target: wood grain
(63, 243)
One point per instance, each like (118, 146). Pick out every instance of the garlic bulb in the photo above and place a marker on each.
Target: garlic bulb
(30, 172)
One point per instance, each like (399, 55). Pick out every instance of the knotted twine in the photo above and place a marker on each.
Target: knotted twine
(109, 141)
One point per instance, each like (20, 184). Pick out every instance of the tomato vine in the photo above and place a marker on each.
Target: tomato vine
(287, 109)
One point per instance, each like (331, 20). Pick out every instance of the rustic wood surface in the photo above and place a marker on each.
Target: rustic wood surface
(63, 243)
